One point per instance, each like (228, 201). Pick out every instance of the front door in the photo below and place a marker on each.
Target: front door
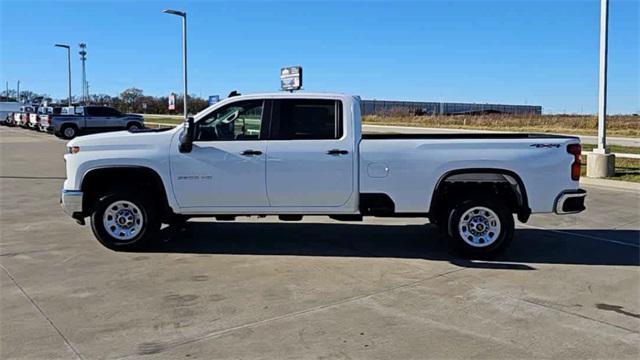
(310, 161)
(226, 167)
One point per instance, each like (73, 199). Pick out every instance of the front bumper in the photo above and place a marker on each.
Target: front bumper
(71, 202)
(570, 202)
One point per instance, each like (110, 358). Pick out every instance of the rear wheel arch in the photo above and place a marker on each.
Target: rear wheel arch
(467, 182)
(99, 181)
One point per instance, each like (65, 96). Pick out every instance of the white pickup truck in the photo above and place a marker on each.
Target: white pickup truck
(292, 155)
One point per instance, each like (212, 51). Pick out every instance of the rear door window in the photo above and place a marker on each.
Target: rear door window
(95, 111)
(306, 119)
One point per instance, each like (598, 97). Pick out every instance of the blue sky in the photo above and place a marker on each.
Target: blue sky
(535, 52)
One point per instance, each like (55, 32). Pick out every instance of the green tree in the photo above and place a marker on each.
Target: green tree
(129, 97)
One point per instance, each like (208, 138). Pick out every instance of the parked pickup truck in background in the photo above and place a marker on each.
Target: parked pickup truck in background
(34, 118)
(292, 155)
(87, 119)
(22, 118)
(45, 114)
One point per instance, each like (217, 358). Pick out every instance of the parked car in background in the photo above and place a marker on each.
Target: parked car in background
(45, 114)
(22, 117)
(7, 108)
(72, 122)
(34, 118)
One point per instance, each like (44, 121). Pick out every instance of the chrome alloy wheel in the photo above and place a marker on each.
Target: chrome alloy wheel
(479, 226)
(123, 220)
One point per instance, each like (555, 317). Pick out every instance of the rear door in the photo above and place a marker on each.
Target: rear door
(309, 158)
(95, 117)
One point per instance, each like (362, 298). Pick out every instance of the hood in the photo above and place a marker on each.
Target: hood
(134, 115)
(123, 139)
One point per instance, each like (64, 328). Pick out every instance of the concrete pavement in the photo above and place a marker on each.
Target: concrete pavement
(261, 289)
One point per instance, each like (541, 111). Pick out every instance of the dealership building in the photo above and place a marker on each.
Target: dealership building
(379, 107)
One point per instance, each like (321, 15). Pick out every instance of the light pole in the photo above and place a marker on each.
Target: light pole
(183, 15)
(600, 163)
(602, 86)
(69, 65)
(83, 58)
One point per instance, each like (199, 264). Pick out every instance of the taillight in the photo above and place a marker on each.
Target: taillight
(575, 150)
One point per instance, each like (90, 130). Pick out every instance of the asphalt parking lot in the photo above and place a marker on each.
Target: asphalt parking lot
(568, 287)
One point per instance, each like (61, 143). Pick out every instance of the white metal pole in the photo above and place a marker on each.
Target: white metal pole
(184, 55)
(69, 71)
(184, 61)
(602, 88)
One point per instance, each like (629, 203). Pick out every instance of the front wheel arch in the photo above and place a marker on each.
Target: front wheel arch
(99, 181)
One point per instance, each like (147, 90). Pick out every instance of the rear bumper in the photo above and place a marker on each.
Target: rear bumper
(71, 202)
(570, 202)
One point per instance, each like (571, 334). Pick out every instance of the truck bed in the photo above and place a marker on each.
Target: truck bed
(397, 136)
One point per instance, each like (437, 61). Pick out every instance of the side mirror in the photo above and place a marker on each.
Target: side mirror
(186, 139)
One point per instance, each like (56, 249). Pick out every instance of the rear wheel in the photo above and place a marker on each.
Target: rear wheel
(480, 227)
(68, 132)
(123, 221)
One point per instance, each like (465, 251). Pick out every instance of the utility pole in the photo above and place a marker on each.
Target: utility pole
(183, 15)
(7, 89)
(83, 58)
(18, 91)
(600, 163)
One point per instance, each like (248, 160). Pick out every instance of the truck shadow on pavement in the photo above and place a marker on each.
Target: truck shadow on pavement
(530, 246)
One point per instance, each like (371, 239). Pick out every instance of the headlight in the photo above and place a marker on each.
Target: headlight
(74, 149)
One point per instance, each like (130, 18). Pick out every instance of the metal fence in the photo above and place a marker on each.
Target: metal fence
(379, 107)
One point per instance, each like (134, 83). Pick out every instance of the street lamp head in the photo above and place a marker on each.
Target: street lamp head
(62, 46)
(175, 12)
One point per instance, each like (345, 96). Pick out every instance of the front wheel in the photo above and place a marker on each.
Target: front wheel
(480, 227)
(133, 127)
(123, 221)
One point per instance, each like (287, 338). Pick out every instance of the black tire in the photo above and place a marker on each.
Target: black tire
(486, 243)
(65, 132)
(132, 126)
(147, 232)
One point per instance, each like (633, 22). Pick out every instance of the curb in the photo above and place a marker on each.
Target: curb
(615, 184)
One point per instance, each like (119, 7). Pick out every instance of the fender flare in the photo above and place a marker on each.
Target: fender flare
(511, 177)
